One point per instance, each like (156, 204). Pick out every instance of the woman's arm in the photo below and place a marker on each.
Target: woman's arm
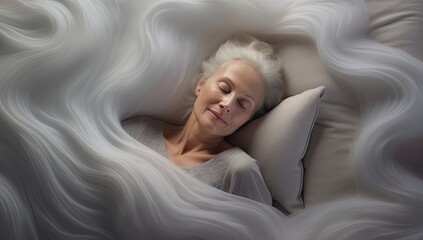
(243, 178)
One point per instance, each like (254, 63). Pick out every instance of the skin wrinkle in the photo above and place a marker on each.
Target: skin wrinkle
(203, 135)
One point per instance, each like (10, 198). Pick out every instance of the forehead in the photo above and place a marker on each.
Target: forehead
(244, 77)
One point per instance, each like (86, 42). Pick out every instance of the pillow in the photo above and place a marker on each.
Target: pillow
(397, 23)
(278, 141)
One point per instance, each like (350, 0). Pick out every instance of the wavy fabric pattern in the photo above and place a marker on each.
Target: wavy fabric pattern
(70, 71)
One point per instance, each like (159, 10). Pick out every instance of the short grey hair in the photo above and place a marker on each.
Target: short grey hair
(260, 56)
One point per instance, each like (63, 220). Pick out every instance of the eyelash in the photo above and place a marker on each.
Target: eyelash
(223, 89)
(241, 105)
(238, 102)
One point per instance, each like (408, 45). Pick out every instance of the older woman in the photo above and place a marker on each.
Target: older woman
(239, 82)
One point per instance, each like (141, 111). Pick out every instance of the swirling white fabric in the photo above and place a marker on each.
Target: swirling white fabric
(70, 71)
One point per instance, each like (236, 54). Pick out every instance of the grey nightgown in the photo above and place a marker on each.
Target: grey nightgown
(232, 171)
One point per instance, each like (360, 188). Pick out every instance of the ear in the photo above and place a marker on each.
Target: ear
(198, 88)
(200, 84)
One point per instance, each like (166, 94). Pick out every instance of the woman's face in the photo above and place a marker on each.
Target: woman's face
(229, 98)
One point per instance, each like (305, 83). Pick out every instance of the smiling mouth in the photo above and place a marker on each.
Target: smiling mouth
(218, 116)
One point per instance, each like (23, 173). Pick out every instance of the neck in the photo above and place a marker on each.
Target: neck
(191, 138)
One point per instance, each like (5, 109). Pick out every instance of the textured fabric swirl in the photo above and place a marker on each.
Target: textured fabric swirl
(232, 170)
(72, 70)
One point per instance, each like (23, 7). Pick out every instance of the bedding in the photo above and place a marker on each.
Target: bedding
(232, 170)
(279, 141)
(336, 126)
(71, 71)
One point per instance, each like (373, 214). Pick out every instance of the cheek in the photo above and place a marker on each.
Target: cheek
(240, 118)
(211, 94)
(205, 98)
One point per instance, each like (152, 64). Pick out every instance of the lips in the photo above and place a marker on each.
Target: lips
(217, 115)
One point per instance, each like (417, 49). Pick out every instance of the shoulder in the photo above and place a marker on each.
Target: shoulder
(142, 126)
(240, 161)
(134, 124)
(139, 121)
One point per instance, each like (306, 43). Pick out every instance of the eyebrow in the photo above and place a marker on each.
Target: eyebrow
(232, 85)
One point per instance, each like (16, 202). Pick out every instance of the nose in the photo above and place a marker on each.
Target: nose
(226, 103)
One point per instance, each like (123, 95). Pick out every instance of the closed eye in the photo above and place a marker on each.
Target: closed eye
(224, 88)
(242, 105)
